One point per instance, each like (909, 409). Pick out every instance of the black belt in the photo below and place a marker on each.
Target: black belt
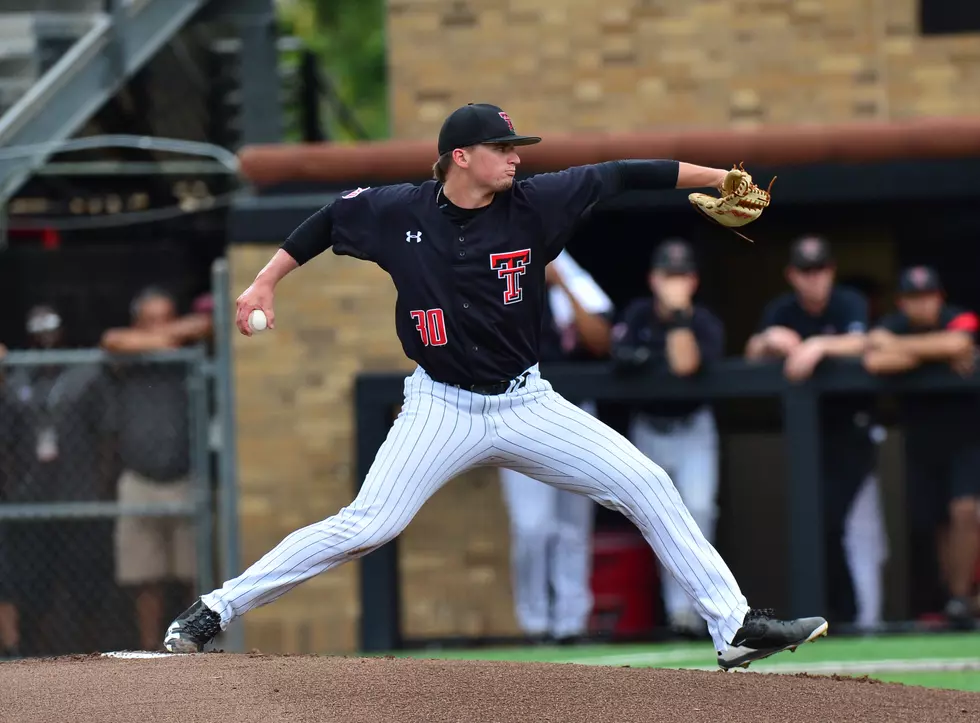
(492, 388)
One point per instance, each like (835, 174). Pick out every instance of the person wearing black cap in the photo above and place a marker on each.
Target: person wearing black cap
(816, 320)
(467, 252)
(942, 442)
(668, 330)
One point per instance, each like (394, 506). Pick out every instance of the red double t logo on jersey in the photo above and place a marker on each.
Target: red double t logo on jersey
(510, 266)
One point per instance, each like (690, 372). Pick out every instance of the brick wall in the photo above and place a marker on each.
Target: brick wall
(581, 65)
(294, 393)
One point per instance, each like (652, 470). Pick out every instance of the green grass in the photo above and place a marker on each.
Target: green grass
(878, 657)
(954, 680)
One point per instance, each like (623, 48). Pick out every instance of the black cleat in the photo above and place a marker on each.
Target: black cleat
(761, 635)
(193, 629)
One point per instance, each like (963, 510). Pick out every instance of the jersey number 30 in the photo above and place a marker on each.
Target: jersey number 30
(432, 326)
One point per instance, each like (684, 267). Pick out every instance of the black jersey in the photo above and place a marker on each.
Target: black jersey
(471, 285)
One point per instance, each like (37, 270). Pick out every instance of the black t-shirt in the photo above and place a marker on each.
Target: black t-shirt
(846, 312)
(471, 287)
(642, 327)
(923, 413)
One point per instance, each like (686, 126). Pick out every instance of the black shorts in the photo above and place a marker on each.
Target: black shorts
(939, 469)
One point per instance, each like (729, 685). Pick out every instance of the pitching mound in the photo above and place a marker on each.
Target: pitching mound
(219, 687)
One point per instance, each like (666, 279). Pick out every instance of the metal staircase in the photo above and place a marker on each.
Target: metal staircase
(33, 41)
(62, 60)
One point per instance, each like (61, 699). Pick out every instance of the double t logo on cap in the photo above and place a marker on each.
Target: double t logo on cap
(478, 123)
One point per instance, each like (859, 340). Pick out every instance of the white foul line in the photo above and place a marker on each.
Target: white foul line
(764, 666)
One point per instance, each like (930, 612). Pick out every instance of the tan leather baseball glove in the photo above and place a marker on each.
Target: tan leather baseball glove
(741, 201)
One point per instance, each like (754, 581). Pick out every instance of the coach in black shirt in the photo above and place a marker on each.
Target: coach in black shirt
(820, 319)
(942, 441)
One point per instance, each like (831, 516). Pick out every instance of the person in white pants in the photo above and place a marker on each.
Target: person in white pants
(551, 529)
(668, 329)
(866, 548)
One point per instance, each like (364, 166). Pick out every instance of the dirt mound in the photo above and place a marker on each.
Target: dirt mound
(219, 687)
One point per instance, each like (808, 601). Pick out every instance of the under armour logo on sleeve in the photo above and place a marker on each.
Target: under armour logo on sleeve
(416, 236)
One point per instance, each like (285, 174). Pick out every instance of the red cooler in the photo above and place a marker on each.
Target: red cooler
(624, 583)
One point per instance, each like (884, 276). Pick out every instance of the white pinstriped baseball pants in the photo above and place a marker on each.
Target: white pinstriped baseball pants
(441, 432)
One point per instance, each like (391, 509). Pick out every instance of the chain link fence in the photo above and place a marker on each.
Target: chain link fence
(106, 488)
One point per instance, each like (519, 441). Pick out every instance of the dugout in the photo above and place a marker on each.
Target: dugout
(887, 195)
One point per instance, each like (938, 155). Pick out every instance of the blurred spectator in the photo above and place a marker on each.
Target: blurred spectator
(820, 319)
(151, 420)
(9, 628)
(942, 442)
(57, 452)
(670, 331)
(864, 527)
(551, 529)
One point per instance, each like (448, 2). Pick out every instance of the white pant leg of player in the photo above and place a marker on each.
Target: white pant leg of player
(571, 560)
(556, 442)
(866, 547)
(532, 507)
(440, 432)
(690, 452)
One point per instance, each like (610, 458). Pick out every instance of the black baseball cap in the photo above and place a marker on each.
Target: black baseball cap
(478, 123)
(810, 252)
(674, 256)
(919, 279)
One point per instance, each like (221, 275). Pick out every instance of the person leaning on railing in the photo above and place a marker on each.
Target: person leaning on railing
(942, 443)
(150, 418)
(817, 320)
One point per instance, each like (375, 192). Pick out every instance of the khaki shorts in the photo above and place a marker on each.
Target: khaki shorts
(154, 549)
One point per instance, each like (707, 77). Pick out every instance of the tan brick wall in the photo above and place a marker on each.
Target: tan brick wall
(296, 446)
(615, 65)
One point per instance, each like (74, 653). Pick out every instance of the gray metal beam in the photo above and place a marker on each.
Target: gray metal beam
(73, 90)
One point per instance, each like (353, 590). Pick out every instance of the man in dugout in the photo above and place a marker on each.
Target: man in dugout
(818, 319)
(942, 444)
(667, 329)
